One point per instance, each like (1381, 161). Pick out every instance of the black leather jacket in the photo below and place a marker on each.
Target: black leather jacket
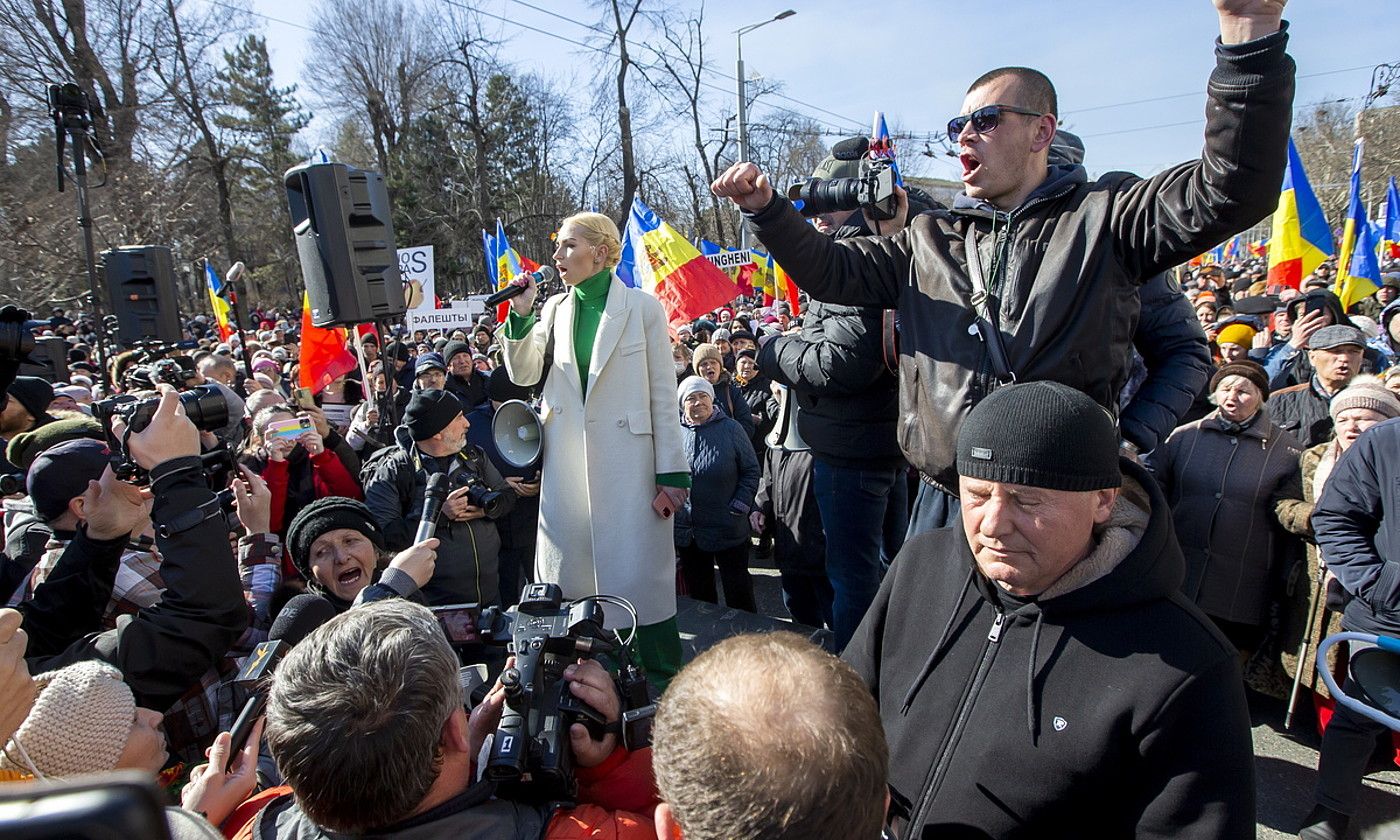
(1064, 267)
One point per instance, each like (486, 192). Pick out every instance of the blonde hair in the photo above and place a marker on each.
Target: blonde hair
(600, 231)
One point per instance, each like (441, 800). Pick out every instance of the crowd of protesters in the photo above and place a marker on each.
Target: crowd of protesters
(1060, 497)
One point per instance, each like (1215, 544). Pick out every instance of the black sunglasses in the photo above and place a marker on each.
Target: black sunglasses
(985, 119)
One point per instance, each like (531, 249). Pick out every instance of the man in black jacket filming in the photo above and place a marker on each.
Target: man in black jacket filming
(1071, 691)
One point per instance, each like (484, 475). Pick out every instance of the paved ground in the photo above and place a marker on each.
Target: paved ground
(1285, 763)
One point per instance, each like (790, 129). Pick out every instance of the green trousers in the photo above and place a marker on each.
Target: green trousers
(658, 649)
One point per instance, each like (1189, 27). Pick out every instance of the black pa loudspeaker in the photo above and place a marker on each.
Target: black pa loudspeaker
(48, 360)
(345, 243)
(141, 288)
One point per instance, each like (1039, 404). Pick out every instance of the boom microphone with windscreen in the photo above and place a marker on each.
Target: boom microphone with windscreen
(297, 620)
(543, 274)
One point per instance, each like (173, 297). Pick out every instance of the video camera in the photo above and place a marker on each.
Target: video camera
(872, 190)
(530, 752)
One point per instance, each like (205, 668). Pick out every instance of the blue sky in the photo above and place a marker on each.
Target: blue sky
(915, 59)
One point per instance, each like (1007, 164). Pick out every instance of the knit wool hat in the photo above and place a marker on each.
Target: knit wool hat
(1252, 371)
(26, 446)
(430, 411)
(324, 515)
(1040, 434)
(1365, 392)
(62, 472)
(33, 393)
(703, 352)
(1236, 333)
(80, 723)
(453, 348)
(694, 384)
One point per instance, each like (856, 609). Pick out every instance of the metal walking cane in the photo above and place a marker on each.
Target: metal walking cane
(1317, 598)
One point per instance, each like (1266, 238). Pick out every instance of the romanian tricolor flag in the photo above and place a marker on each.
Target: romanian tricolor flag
(782, 286)
(216, 300)
(504, 263)
(1301, 239)
(324, 354)
(1358, 270)
(1259, 249)
(661, 262)
(1390, 223)
(1232, 248)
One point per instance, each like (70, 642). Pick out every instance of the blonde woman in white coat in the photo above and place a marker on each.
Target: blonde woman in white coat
(612, 435)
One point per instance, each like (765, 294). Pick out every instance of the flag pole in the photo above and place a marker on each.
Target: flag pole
(237, 324)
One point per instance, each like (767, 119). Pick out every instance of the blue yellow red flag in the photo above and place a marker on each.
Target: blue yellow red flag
(1358, 270)
(216, 300)
(662, 263)
(1390, 223)
(1301, 239)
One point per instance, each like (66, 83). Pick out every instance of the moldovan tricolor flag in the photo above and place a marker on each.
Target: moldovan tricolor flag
(782, 286)
(216, 291)
(324, 355)
(659, 261)
(508, 264)
(1358, 271)
(1301, 239)
(1390, 223)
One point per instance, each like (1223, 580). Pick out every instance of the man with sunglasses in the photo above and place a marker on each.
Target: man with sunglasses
(1052, 290)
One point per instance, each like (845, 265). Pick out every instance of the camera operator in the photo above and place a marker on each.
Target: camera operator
(163, 650)
(401, 763)
(1058, 258)
(849, 403)
(431, 440)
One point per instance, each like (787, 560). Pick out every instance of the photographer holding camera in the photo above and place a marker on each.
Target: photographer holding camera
(1034, 272)
(402, 763)
(163, 650)
(431, 440)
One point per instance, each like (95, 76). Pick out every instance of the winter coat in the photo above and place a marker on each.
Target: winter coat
(471, 390)
(723, 480)
(1177, 357)
(1226, 493)
(789, 503)
(761, 404)
(1063, 267)
(1301, 583)
(730, 397)
(1357, 525)
(467, 553)
(1109, 707)
(1303, 411)
(598, 531)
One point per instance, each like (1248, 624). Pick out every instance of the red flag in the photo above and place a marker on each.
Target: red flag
(324, 355)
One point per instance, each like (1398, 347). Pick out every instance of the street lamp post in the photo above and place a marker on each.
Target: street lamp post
(743, 100)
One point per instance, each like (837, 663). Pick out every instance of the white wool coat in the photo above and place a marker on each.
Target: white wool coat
(598, 532)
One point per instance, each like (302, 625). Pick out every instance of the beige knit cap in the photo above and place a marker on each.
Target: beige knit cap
(1366, 392)
(703, 352)
(80, 723)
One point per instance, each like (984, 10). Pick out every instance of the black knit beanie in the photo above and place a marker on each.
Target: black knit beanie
(430, 411)
(34, 394)
(322, 516)
(501, 388)
(452, 348)
(1040, 434)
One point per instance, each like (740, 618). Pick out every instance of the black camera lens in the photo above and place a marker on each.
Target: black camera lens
(206, 407)
(11, 483)
(827, 195)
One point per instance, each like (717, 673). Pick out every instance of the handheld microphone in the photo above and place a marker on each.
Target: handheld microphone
(433, 498)
(543, 274)
(301, 615)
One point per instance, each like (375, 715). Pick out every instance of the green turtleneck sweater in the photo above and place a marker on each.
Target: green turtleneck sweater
(590, 297)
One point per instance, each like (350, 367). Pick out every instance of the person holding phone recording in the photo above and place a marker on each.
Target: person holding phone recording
(289, 453)
(614, 469)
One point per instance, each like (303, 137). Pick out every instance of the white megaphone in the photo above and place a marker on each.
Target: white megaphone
(517, 433)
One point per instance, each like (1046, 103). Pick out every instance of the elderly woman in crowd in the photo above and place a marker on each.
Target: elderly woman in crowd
(1356, 408)
(713, 528)
(338, 549)
(608, 410)
(1228, 476)
(708, 362)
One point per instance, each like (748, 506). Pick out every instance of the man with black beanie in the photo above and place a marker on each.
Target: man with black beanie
(463, 380)
(433, 439)
(1067, 689)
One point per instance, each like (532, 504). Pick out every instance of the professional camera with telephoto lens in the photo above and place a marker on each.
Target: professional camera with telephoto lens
(495, 503)
(871, 191)
(530, 752)
(205, 406)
